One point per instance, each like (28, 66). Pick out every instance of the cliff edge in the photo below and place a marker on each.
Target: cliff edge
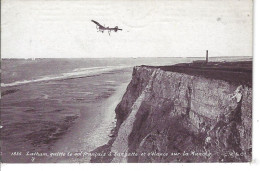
(184, 113)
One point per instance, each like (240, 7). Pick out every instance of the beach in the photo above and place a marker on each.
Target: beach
(93, 130)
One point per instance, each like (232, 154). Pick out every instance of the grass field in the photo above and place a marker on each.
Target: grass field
(233, 72)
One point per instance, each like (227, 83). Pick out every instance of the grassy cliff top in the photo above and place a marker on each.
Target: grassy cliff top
(239, 72)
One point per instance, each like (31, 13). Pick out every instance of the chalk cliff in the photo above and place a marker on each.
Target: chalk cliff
(169, 116)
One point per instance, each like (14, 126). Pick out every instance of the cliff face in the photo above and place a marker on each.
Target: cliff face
(175, 117)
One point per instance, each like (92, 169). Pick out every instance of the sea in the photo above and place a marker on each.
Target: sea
(51, 108)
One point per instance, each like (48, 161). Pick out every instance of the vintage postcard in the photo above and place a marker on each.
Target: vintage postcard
(120, 81)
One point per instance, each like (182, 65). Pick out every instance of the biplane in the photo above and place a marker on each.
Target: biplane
(101, 28)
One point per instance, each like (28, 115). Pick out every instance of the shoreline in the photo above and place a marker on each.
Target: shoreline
(92, 131)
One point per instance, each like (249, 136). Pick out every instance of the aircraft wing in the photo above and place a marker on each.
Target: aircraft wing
(97, 23)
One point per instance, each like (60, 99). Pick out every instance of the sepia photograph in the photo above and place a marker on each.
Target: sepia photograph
(123, 81)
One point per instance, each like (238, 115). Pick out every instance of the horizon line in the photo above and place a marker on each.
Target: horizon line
(121, 57)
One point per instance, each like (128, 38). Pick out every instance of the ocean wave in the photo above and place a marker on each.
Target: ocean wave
(79, 72)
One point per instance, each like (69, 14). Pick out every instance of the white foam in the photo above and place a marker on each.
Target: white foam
(80, 72)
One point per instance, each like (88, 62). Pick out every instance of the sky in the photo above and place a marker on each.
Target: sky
(151, 28)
